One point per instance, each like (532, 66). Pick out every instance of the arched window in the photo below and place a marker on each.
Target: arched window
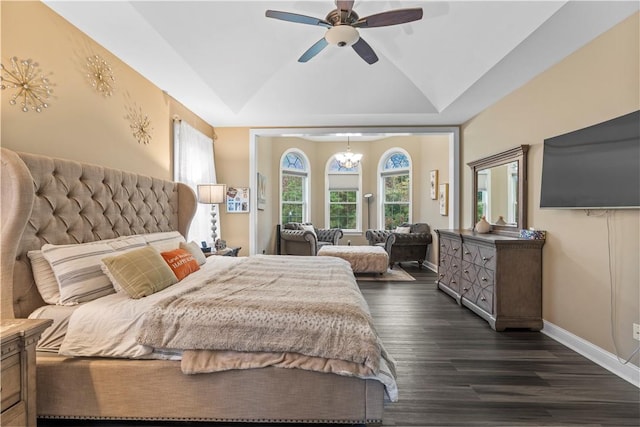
(294, 187)
(395, 188)
(342, 196)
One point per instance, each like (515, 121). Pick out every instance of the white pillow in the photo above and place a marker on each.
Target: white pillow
(402, 230)
(164, 240)
(195, 250)
(46, 281)
(127, 243)
(78, 270)
(308, 228)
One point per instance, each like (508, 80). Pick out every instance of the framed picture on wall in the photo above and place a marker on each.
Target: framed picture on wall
(433, 184)
(443, 199)
(262, 191)
(237, 200)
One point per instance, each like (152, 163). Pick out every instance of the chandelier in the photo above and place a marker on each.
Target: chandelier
(348, 159)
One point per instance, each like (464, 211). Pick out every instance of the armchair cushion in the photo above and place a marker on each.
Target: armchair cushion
(377, 237)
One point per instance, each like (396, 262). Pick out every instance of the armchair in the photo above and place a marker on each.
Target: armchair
(403, 246)
(305, 239)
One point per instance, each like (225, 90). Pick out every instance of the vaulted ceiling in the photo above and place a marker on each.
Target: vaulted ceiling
(231, 65)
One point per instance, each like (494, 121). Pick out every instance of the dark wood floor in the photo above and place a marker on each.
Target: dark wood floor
(453, 370)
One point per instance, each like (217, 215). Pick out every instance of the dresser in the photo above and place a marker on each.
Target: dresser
(18, 339)
(498, 277)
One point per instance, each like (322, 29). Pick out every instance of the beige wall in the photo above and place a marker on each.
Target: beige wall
(81, 124)
(596, 83)
(231, 151)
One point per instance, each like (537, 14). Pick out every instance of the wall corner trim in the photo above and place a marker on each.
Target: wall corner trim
(609, 361)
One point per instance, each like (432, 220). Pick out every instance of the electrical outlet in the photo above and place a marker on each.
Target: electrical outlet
(636, 331)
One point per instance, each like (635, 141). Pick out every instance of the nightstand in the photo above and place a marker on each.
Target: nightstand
(228, 251)
(18, 338)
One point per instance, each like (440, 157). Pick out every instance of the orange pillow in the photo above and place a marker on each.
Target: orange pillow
(181, 262)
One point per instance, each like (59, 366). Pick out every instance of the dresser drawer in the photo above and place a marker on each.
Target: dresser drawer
(11, 381)
(449, 247)
(449, 271)
(479, 255)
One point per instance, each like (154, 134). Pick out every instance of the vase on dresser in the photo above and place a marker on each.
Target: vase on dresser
(483, 226)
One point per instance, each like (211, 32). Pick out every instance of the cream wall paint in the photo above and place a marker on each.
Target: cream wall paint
(596, 83)
(231, 151)
(80, 124)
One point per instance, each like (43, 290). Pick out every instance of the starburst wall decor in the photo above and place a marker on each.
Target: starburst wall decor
(33, 89)
(139, 123)
(100, 76)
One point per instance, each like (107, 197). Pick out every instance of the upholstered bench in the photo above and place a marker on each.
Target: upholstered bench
(363, 259)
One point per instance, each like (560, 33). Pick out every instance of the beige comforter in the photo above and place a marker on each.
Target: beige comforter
(309, 306)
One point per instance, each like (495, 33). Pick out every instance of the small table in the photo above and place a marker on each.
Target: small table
(363, 259)
(228, 251)
(18, 375)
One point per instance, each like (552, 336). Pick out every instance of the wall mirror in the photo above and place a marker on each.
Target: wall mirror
(500, 189)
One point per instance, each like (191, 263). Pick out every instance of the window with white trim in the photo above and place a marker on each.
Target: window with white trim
(395, 188)
(343, 196)
(294, 187)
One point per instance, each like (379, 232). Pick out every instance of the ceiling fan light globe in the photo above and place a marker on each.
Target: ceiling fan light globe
(342, 35)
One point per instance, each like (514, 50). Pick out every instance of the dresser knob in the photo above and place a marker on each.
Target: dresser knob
(466, 271)
(455, 249)
(484, 258)
(453, 282)
(483, 299)
(465, 289)
(484, 279)
(467, 252)
(454, 266)
(441, 275)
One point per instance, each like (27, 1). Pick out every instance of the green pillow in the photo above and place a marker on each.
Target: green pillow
(141, 272)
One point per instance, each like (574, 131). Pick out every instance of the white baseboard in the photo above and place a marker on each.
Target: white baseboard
(431, 266)
(609, 361)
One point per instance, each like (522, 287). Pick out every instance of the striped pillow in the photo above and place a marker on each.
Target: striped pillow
(164, 240)
(141, 272)
(77, 270)
(46, 281)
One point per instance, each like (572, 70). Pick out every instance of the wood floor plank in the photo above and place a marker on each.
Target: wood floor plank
(454, 370)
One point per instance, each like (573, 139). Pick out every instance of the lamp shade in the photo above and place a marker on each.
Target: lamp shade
(211, 193)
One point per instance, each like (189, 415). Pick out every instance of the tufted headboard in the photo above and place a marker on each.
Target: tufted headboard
(49, 200)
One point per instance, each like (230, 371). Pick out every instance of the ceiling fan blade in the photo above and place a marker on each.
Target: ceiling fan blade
(299, 19)
(313, 50)
(392, 17)
(363, 49)
(344, 6)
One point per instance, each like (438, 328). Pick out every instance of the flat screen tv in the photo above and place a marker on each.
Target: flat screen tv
(597, 167)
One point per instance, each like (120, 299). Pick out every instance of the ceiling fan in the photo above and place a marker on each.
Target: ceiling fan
(343, 24)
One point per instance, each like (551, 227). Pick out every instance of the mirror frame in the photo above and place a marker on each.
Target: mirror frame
(518, 154)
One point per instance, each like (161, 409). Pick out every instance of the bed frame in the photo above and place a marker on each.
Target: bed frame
(47, 200)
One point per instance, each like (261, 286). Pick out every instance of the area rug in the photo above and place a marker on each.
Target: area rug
(397, 274)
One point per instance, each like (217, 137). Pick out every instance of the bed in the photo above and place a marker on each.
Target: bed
(48, 201)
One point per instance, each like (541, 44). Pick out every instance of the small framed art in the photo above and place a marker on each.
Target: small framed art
(262, 191)
(433, 184)
(237, 200)
(443, 198)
